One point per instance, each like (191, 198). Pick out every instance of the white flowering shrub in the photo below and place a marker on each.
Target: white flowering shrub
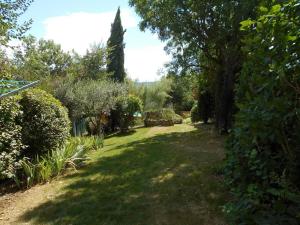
(11, 146)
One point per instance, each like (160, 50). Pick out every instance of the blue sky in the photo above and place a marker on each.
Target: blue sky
(76, 24)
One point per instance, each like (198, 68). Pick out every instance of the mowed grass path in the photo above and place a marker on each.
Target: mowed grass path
(154, 176)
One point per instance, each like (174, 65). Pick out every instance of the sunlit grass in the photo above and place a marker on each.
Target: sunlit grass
(152, 176)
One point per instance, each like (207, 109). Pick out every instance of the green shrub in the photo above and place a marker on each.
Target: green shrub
(263, 152)
(163, 117)
(195, 114)
(46, 125)
(127, 107)
(11, 146)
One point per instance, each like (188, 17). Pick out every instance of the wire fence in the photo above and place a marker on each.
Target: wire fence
(10, 87)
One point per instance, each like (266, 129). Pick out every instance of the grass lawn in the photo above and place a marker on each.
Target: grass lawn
(154, 176)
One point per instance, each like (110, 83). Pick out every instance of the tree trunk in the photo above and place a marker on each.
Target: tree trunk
(225, 96)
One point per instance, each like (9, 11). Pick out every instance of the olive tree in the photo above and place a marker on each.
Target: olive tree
(94, 99)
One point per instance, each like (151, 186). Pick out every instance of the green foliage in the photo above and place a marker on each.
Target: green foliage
(263, 155)
(11, 146)
(45, 125)
(45, 60)
(116, 55)
(40, 59)
(163, 117)
(10, 12)
(135, 88)
(182, 92)
(127, 107)
(195, 114)
(72, 155)
(115, 64)
(90, 143)
(91, 98)
(156, 94)
(93, 63)
(203, 37)
(6, 69)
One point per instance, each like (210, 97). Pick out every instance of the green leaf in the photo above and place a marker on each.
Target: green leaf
(263, 9)
(276, 8)
(246, 24)
(291, 38)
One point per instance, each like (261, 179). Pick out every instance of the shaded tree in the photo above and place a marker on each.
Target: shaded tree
(202, 35)
(182, 92)
(263, 157)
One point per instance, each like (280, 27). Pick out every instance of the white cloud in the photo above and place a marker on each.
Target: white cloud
(79, 30)
(9, 50)
(145, 62)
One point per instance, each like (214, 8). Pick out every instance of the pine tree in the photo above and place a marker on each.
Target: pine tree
(116, 56)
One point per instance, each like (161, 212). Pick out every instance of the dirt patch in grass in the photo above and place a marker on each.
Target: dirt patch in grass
(14, 205)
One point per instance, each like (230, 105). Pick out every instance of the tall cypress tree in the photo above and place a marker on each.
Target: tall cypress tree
(115, 44)
(115, 64)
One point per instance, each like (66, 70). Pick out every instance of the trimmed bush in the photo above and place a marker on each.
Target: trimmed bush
(11, 145)
(45, 123)
(164, 117)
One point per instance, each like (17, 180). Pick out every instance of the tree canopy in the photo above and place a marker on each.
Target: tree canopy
(204, 37)
(10, 12)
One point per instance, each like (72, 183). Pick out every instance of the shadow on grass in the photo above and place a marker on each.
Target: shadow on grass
(154, 181)
(120, 134)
